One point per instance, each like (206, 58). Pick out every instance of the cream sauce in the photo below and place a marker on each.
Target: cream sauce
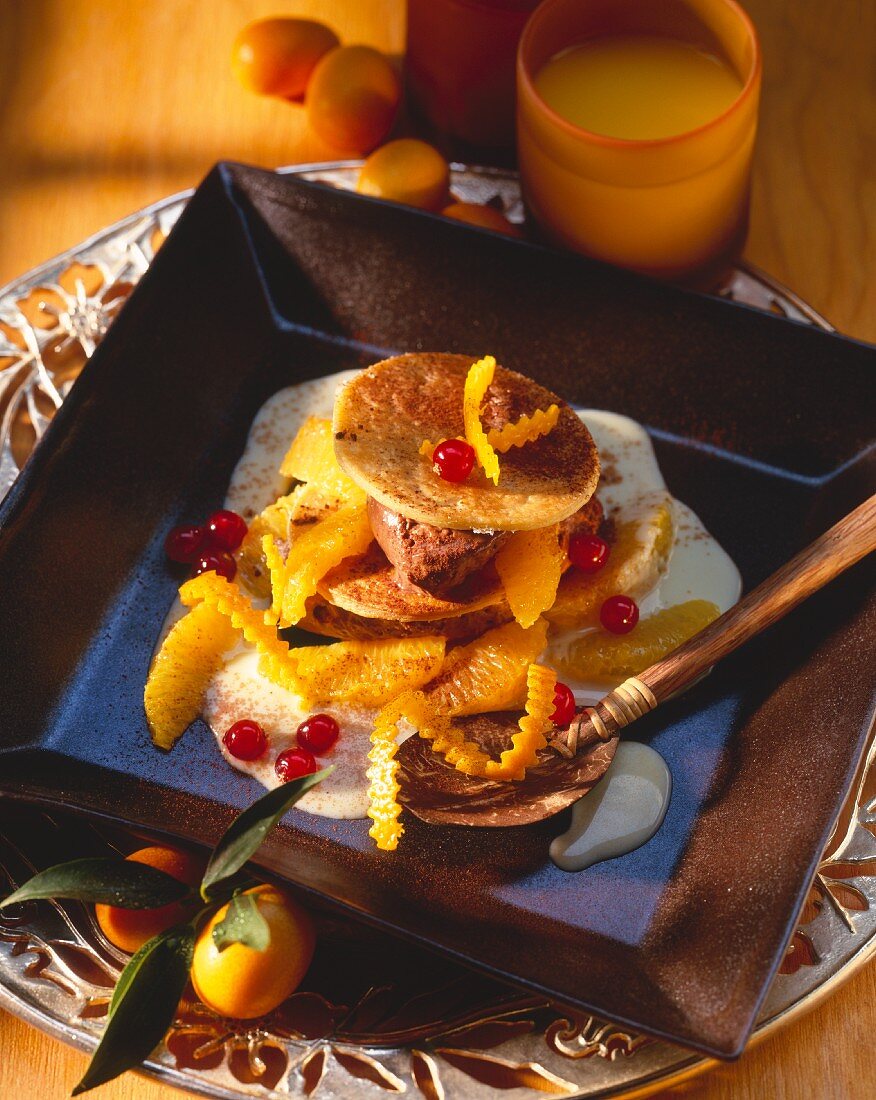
(698, 568)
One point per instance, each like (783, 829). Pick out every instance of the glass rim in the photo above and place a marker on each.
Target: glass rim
(526, 79)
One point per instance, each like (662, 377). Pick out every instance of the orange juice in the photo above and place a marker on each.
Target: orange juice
(636, 122)
(637, 87)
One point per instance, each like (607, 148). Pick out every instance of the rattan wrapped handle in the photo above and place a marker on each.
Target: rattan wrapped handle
(846, 543)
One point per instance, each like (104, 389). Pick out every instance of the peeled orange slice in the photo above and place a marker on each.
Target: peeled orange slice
(181, 670)
(601, 656)
(477, 381)
(311, 458)
(525, 430)
(638, 559)
(322, 546)
(488, 673)
(226, 598)
(530, 565)
(367, 673)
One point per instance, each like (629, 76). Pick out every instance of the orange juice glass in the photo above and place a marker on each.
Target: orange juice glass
(675, 207)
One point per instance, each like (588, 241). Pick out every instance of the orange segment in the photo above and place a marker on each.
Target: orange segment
(488, 673)
(322, 546)
(311, 458)
(189, 656)
(367, 673)
(477, 382)
(530, 565)
(638, 559)
(525, 430)
(601, 656)
(226, 598)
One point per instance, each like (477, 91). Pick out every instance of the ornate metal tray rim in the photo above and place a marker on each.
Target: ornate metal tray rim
(836, 935)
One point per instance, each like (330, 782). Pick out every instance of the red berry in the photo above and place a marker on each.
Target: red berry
(589, 553)
(183, 544)
(453, 459)
(245, 740)
(216, 561)
(293, 763)
(318, 733)
(565, 704)
(619, 614)
(226, 530)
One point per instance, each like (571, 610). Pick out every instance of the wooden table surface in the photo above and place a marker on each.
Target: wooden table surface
(106, 106)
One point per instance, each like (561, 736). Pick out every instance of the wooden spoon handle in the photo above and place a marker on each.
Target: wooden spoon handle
(853, 538)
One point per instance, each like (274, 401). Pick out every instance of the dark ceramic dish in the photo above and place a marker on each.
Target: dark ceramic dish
(761, 425)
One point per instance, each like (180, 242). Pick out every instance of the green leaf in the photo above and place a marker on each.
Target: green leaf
(245, 834)
(243, 923)
(118, 882)
(143, 1006)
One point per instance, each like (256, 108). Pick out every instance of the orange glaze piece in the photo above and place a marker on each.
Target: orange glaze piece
(181, 670)
(339, 535)
(488, 673)
(311, 458)
(370, 673)
(530, 565)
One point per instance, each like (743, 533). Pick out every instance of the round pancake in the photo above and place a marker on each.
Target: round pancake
(367, 586)
(384, 414)
(335, 622)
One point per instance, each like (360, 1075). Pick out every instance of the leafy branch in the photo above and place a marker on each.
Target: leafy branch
(149, 988)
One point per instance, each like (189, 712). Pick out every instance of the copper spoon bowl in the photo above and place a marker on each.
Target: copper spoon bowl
(577, 759)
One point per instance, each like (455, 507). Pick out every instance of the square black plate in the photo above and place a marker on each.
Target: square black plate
(761, 425)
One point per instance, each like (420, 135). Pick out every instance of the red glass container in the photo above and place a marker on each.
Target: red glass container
(460, 66)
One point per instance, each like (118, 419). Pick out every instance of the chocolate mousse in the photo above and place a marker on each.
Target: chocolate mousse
(435, 558)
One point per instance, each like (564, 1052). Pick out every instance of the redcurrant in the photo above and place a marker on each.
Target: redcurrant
(245, 740)
(184, 544)
(565, 704)
(619, 614)
(589, 553)
(293, 763)
(453, 459)
(226, 530)
(217, 561)
(318, 733)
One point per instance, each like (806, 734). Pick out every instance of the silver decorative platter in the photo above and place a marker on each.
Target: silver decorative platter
(356, 1029)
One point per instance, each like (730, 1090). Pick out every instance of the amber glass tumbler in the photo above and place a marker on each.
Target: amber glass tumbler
(674, 207)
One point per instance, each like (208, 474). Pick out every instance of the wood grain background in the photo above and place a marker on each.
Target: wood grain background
(106, 106)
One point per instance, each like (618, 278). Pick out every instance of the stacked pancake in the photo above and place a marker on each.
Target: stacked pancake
(431, 568)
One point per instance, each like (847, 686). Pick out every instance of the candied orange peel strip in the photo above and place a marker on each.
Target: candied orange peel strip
(367, 673)
(277, 569)
(530, 566)
(256, 626)
(525, 430)
(541, 683)
(341, 534)
(477, 381)
(181, 670)
(383, 788)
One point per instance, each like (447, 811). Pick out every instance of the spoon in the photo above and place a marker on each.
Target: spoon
(434, 791)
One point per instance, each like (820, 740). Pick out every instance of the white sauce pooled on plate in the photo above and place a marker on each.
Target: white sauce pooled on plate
(698, 568)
